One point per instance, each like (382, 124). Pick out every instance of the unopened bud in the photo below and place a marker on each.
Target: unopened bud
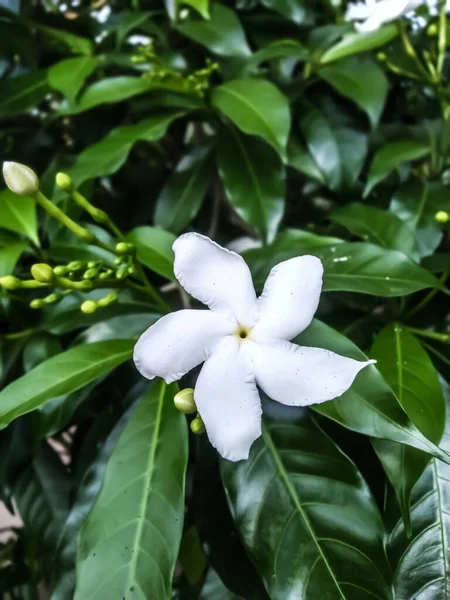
(89, 307)
(184, 401)
(76, 265)
(20, 179)
(381, 56)
(9, 282)
(122, 272)
(124, 248)
(91, 273)
(43, 273)
(64, 182)
(197, 425)
(36, 304)
(52, 298)
(60, 270)
(432, 30)
(442, 217)
(109, 299)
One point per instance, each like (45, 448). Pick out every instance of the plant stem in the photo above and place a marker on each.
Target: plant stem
(442, 41)
(409, 49)
(433, 335)
(430, 295)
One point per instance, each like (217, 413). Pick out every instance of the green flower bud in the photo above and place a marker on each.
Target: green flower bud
(197, 425)
(43, 273)
(381, 56)
(432, 30)
(122, 272)
(109, 299)
(64, 182)
(124, 248)
(89, 307)
(20, 179)
(9, 282)
(91, 273)
(52, 298)
(93, 263)
(60, 270)
(442, 217)
(105, 275)
(76, 265)
(184, 401)
(36, 304)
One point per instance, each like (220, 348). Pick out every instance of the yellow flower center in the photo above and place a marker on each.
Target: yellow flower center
(243, 333)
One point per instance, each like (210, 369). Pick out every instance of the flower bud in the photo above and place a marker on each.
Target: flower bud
(184, 401)
(124, 248)
(60, 270)
(381, 56)
(76, 265)
(197, 425)
(442, 217)
(89, 307)
(432, 30)
(9, 282)
(36, 304)
(43, 273)
(20, 179)
(64, 182)
(52, 298)
(91, 273)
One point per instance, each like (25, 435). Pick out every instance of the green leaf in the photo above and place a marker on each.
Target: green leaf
(222, 34)
(181, 197)
(300, 160)
(129, 544)
(154, 249)
(9, 255)
(293, 500)
(411, 374)
(362, 81)
(254, 180)
(19, 94)
(108, 91)
(421, 561)
(295, 10)
(416, 203)
(18, 213)
(109, 154)
(76, 43)
(257, 107)
(370, 406)
(278, 49)
(129, 21)
(349, 267)
(214, 589)
(201, 6)
(121, 327)
(68, 76)
(61, 374)
(355, 43)
(377, 226)
(391, 157)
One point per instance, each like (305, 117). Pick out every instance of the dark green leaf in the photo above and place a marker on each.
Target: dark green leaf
(128, 22)
(295, 10)
(293, 500)
(254, 180)
(129, 544)
(257, 107)
(18, 213)
(154, 249)
(68, 76)
(390, 157)
(377, 226)
(19, 94)
(300, 160)
(362, 81)
(355, 43)
(180, 199)
(214, 589)
(77, 44)
(275, 50)
(9, 257)
(61, 374)
(121, 327)
(222, 33)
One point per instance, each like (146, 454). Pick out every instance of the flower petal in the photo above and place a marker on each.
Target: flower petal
(178, 342)
(217, 277)
(228, 401)
(299, 375)
(289, 299)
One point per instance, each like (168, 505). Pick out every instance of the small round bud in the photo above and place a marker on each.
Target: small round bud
(9, 282)
(105, 275)
(381, 56)
(442, 217)
(92, 263)
(91, 273)
(64, 182)
(109, 299)
(36, 304)
(60, 270)
(52, 298)
(20, 179)
(43, 273)
(122, 272)
(76, 265)
(89, 307)
(184, 401)
(123, 248)
(432, 30)
(197, 425)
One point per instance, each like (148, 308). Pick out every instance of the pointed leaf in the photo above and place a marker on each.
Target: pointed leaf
(22, 93)
(129, 544)
(9, 255)
(68, 76)
(355, 43)
(18, 213)
(154, 249)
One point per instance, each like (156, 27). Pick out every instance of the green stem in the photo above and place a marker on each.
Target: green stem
(442, 41)
(409, 49)
(433, 335)
(20, 334)
(58, 214)
(433, 350)
(430, 295)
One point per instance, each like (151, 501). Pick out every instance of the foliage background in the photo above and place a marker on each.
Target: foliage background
(272, 120)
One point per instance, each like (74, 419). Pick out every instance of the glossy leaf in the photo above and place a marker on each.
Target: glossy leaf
(18, 213)
(362, 81)
(295, 10)
(128, 546)
(61, 374)
(214, 589)
(9, 255)
(68, 76)
(350, 267)
(390, 157)
(355, 43)
(76, 43)
(370, 406)
(254, 180)
(222, 33)
(278, 49)
(154, 249)
(411, 374)
(377, 226)
(292, 501)
(421, 561)
(257, 107)
(19, 94)
(180, 199)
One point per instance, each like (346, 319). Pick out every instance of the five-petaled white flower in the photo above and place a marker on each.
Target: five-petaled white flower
(243, 341)
(374, 13)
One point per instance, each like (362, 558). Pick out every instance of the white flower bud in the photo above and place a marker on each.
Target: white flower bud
(20, 179)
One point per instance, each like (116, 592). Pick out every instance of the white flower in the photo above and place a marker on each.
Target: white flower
(243, 341)
(20, 179)
(374, 14)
